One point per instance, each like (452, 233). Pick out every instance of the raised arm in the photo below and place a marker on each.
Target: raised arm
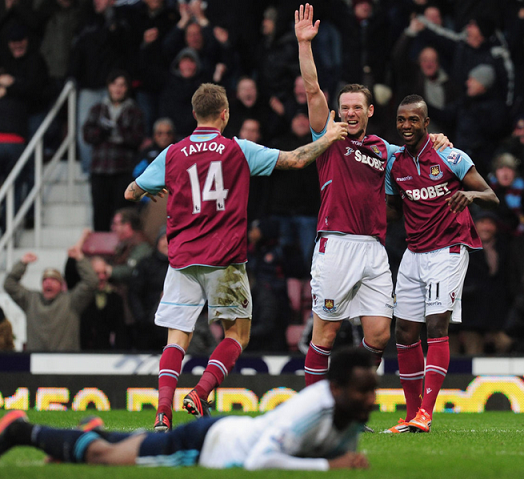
(305, 155)
(305, 31)
(477, 190)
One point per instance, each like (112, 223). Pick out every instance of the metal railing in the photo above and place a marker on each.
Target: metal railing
(35, 150)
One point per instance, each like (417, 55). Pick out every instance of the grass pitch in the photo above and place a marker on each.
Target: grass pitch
(463, 446)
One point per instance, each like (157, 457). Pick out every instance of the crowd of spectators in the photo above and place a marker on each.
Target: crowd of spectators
(136, 65)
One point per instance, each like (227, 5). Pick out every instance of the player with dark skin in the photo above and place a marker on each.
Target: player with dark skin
(412, 126)
(432, 190)
(331, 438)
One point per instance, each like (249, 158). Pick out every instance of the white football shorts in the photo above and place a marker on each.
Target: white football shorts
(351, 278)
(186, 291)
(431, 283)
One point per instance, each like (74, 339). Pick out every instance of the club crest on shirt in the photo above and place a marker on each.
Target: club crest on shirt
(454, 158)
(435, 173)
(376, 151)
(329, 306)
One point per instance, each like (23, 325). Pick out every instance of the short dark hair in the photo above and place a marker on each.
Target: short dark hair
(209, 100)
(415, 99)
(130, 215)
(344, 360)
(356, 88)
(117, 73)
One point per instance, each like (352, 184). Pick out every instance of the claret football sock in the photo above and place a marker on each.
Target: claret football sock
(170, 367)
(411, 371)
(316, 363)
(377, 353)
(437, 364)
(220, 364)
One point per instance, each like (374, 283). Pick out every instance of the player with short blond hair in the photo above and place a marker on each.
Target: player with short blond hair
(207, 178)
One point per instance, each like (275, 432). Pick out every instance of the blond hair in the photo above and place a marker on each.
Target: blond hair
(209, 101)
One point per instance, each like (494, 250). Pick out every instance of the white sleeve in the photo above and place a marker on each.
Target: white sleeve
(276, 460)
(278, 447)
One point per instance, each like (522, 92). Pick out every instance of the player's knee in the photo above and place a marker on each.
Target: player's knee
(378, 336)
(438, 325)
(405, 335)
(325, 332)
(378, 340)
(326, 339)
(383, 338)
(244, 341)
(241, 337)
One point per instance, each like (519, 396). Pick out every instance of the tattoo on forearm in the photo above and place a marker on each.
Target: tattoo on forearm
(303, 156)
(133, 188)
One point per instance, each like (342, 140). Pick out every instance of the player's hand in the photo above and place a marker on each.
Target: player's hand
(305, 30)
(440, 141)
(336, 130)
(29, 258)
(349, 460)
(163, 192)
(459, 201)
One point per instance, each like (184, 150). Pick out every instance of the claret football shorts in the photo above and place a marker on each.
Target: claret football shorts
(186, 291)
(351, 278)
(431, 283)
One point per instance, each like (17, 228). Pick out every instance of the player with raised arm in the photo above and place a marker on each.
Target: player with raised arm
(350, 269)
(433, 190)
(207, 177)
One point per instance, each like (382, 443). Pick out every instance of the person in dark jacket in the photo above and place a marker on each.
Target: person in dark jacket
(268, 287)
(101, 45)
(185, 76)
(486, 297)
(145, 290)
(150, 21)
(115, 128)
(102, 322)
(23, 94)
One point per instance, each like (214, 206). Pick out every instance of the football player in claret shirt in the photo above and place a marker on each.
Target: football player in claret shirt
(350, 269)
(207, 177)
(433, 190)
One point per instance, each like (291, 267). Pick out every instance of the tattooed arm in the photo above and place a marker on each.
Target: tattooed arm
(305, 155)
(135, 193)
